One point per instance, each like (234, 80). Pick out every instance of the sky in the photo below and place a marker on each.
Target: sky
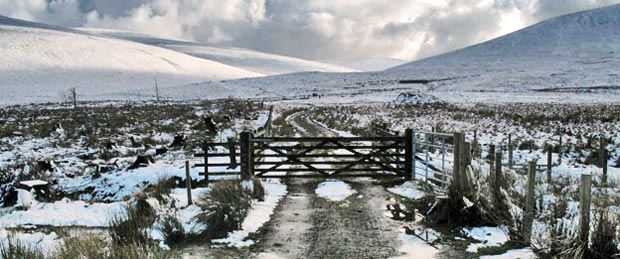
(310, 29)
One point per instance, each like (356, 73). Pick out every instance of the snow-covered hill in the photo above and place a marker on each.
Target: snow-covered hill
(251, 60)
(574, 51)
(369, 64)
(570, 58)
(38, 62)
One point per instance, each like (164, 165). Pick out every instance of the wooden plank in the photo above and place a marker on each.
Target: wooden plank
(331, 155)
(320, 139)
(375, 175)
(221, 144)
(221, 173)
(327, 171)
(213, 164)
(334, 163)
(298, 148)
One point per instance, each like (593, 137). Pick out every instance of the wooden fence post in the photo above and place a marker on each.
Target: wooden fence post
(409, 155)
(188, 183)
(560, 151)
(491, 156)
(497, 185)
(530, 201)
(549, 164)
(465, 162)
(474, 148)
(585, 197)
(510, 159)
(233, 153)
(247, 157)
(456, 168)
(243, 138)
(205, 150)
(603, 156)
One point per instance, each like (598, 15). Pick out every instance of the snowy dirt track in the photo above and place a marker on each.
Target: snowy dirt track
(316, 221)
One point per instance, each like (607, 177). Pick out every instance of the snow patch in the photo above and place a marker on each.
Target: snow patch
(408, 189)
(488, 236)
(258, 215)
(334, 190)
(524, 253)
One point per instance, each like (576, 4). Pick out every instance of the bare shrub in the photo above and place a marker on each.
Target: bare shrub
(14, 248)
(225, 207)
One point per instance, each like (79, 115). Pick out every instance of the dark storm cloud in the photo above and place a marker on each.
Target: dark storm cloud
(314, 29)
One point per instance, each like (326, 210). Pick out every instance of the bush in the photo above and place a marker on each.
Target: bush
(603, 237)
(225, 207)
(161, 189)
(14, 248)
(172, 230)
(94, 247)
(129, 227)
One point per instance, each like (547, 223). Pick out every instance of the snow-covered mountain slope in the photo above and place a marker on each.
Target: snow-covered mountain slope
(251, 60)
(38, 62)
(574, 51)
(369, 64)
(570, 58)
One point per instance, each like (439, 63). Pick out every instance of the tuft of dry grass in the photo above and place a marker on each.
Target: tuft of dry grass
(225, 207)
(14, 248)
(129, 226)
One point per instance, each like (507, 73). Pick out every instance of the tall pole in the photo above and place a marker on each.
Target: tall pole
(156, 89)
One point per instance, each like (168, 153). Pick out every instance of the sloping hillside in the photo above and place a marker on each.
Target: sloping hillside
(251, 60)
(39, 62)
(571, 58)
(576, 51)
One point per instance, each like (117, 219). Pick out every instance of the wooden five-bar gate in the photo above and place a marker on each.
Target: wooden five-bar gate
(256, 154)
(309, 157)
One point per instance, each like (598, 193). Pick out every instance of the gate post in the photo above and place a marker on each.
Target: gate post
(492, 156)
(603, 157)
(233, 153)
(456, 168)
(205, 150)
(549, 164)
(409, 155)
(585, 197)
(530, 203)
(497, 185)
(510, 161)
(246, 154)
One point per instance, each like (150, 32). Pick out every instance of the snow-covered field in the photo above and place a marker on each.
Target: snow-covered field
(75, 195)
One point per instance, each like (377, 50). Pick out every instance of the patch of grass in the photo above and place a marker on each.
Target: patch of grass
(17, 249)
(161, 189)
(129, 227)
(95, 247)
(172, 230)
(225, 207)
(603, 237)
